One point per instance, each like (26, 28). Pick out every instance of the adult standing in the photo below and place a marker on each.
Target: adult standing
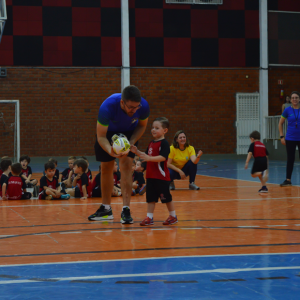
(182, 161)
(125, 113)
(287, 103)
(292, 138)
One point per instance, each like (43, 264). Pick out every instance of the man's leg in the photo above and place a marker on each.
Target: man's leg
(125, 164)
(107, 181)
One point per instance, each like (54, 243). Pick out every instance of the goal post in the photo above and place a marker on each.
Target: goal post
(10, 128)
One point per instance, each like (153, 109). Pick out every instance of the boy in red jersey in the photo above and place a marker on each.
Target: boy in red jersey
(157, 175)
(88, 171)
(6, 169)
(260, 165)
(26, 170)
(2, 158)
(14, 188)
(49, 186)
(81, 181)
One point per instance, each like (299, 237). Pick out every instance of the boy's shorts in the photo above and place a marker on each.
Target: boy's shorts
(102, 155)
(43, 195)
(96, 192)
(260, 164)
(77, 192)
(26, 196)
(156, 188)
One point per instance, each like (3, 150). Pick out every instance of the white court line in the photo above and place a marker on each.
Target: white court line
(248, 226)
(101, 231)
(297, 224)
(131, 230)
(68, 232)
(6, 235)
(277, 225)
(148, 258)
(190, 228)
(223, 271)
(161, 229)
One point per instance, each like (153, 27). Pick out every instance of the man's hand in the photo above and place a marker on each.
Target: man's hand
(113, 154)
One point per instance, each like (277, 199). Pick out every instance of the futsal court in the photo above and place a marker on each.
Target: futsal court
(230, 243)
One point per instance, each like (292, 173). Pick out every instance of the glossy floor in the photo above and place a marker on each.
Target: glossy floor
(230, 243)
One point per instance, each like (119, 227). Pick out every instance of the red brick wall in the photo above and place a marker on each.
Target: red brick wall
(291, 82)
(53, 103)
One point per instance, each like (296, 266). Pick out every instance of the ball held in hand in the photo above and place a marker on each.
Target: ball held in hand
(121, 144)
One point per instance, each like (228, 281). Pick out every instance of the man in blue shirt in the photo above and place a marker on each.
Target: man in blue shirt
(125, 113)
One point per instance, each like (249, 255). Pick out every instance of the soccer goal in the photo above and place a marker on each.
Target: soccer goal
(10, 129)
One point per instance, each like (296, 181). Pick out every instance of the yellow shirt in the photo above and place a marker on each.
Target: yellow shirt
(179, 157)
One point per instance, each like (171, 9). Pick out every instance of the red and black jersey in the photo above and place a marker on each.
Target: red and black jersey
(84, 180)
(65, 174)
(2, 180)
(89, 174)
(27, 171)
(1, 172)
(139, 177)
(117, 177)
(45, 181)
(14, 187)
(158, 170)
(97, 181)
(258, 149)
(56, 175)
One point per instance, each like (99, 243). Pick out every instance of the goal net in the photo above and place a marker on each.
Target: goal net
(10, 129)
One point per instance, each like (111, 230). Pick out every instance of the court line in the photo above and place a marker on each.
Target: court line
(223, 271)
(148, 258)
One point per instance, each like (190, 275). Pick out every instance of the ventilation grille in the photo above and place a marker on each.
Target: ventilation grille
(195, 1)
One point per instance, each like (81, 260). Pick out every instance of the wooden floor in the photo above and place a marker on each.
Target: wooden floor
(225, 216)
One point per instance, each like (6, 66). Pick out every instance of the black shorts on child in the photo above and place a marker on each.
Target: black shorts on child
(77, 192)
(157, 188)
(260, 164)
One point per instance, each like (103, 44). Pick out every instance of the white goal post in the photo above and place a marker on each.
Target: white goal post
(16, 126)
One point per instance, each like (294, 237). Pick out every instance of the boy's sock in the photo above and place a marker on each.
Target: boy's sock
(126, 207)
(150, 215)
(106, 206)
(172, 213)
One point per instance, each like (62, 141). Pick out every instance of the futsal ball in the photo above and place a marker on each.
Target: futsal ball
(120, 144)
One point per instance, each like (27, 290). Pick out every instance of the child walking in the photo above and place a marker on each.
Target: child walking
(158, 176)
(260, 165)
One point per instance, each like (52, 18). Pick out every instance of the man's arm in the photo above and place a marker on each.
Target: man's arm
(138, 131)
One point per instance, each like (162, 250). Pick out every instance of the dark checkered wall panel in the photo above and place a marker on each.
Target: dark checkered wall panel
(88, 33)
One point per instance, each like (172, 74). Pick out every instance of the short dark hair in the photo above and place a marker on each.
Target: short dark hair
(53, 160)
(5, 163)
(81, 163)
(49, 165)
(72, 157)
(295, 92)
(16, 168)
(255, 135)
(176, 144)
(163, 121)
(25, 157)
(131, 93)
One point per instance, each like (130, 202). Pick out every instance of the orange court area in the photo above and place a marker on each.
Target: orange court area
(226, 216)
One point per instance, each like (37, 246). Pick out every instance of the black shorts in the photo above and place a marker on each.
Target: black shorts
(102, 155)
(156, 188)
(260, 164)
(26, 196)
(77, 192)
(96, 192)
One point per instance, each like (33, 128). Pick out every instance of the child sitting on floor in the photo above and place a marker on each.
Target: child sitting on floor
(140, 168)
(67, 174)
(14, 188)
(26, 171)
(6, 169)
(2, 158)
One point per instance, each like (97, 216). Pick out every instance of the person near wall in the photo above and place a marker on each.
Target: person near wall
(182, 161)
(287, 103)
(292, 138)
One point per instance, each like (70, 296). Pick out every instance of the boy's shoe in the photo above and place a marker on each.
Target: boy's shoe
(264, 189)
(63, 188)
(102, 214)
(133, 193)
(126, 217)
(65, 197)
(147, 221)
(286, 183)
(29, 185)
(49, 197)
(172, 186)
(171, 220)
(142, 190)
(193, 186)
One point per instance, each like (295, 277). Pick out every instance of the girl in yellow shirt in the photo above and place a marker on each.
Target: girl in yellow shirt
(182, 161)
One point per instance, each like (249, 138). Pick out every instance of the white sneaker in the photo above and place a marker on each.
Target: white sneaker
(172, 186)
(193, 186)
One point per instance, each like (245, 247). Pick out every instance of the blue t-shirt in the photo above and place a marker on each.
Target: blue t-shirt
(291, 114)
(113, 116)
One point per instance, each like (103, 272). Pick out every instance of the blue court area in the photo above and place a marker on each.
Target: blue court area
(260, 276)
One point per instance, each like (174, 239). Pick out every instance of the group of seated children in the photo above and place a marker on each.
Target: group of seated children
(75, 181)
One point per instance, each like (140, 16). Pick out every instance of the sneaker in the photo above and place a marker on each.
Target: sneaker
(126, 217)
(264, 189)
(172, 186)
(171, 220)
(286, 183)
(63, 188)
(102, 214)
(147, 221)
(49, 197)
(142, 191)
(193, 186)
(29, 185)
(65, 197)
(133, 193)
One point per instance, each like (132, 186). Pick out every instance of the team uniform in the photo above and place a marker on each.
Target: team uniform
(157, 175)
(15, 186)
(65, 174)
(117, 178)
(83, 180)
(2, 180)
(27, 171)
(260, 153)
(139, 178)
(48, 183)
(112, 116)
(96, 186)
(1, 172)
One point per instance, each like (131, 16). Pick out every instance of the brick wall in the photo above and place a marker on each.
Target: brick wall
(290, 77)
(59, 107)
